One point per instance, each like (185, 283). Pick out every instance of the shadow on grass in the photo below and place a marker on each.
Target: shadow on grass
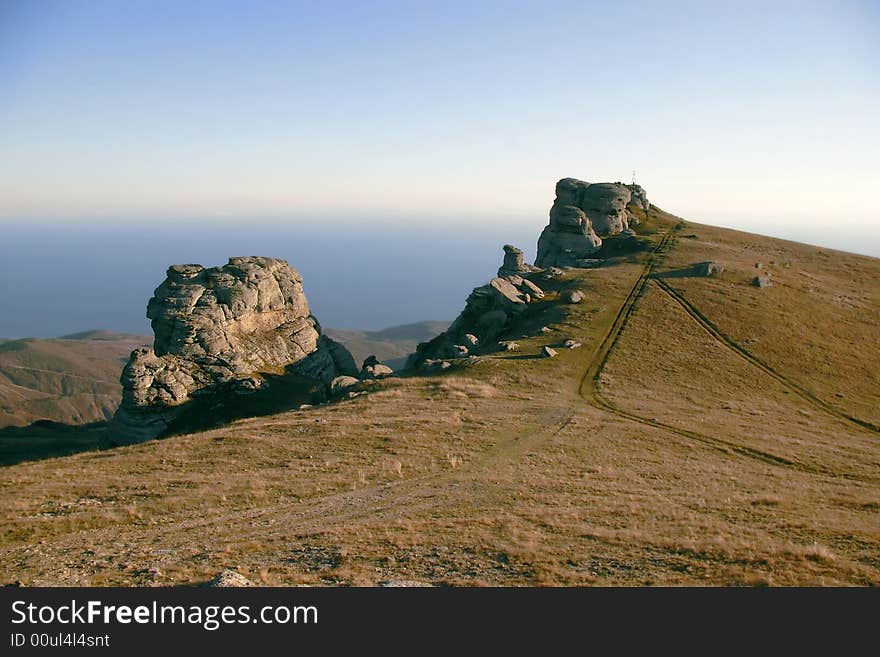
(696, 270)
(44, 439)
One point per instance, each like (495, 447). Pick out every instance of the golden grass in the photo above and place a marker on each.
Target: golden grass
(500, 473)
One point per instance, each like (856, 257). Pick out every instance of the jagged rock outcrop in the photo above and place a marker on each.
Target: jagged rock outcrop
(219, 330)
(583, 214)
(488, 311)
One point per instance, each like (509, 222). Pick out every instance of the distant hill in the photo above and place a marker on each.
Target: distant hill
(391, 345)
(73, 379)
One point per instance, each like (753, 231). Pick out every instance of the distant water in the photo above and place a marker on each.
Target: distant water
(60, 279)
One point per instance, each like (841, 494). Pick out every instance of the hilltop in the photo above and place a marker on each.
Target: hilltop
(705, 430)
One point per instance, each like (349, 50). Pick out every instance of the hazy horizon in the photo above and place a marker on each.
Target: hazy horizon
(396, 122)
(354, 277)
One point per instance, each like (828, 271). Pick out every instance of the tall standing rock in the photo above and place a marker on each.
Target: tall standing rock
(221, 329)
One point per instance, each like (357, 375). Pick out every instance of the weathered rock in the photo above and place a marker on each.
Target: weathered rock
(571, 296)
(548, 352)
(707, 268)
(219, 330)
(342, 383)
(638, 200)
(508, 345)
(229, 578)
(571, 344)
(471, 340)
(762, 281)
(514, 262)
(583, 214)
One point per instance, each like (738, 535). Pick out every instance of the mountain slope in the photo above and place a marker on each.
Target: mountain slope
(74, 380)
(707, 431)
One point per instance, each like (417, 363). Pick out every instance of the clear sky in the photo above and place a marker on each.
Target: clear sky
(760, 115)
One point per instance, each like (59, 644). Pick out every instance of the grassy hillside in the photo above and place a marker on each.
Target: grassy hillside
(73, 380)
(707, 432)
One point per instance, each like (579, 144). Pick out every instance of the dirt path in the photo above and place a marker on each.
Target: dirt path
(733, 346)
(590, 385)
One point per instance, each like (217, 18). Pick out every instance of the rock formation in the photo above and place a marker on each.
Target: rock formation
(514, 263)
(584, 213)
(488, 311)
(373, 369)
(220, 330)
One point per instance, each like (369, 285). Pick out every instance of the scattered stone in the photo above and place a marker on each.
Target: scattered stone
(215, 329)
(761, 281)
(549, 352)
(229, 578)
(571, 296)
(342, 383)
(757, 265)
(545, 329)
(459, 351)
(508, 345)
(471, 340)
(571, 344)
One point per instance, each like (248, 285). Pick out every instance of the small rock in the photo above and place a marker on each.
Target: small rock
(471, 339)
(571, 296)
(545, 329)
(571, 344)
(341, 383)
(229, 578)
(459, 351)
(549, 352)
(508, 345)
(761, 281)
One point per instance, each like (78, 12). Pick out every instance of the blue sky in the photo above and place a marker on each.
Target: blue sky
(759, 115)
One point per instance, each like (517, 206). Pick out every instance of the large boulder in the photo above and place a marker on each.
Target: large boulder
(218, 330)
(582, 215)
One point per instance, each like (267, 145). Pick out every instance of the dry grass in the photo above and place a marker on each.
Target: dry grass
(501, 473)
